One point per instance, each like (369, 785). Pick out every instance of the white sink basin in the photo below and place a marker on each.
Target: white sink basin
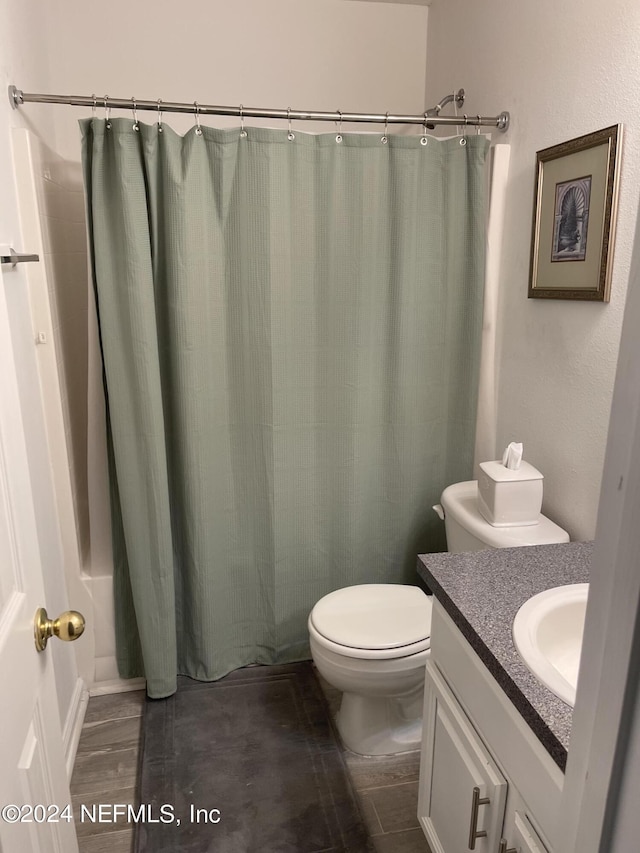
(547, 633)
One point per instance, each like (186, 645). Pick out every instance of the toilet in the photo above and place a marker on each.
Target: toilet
(372, 641)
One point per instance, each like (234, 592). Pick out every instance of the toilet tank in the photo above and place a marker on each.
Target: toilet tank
(467, 530)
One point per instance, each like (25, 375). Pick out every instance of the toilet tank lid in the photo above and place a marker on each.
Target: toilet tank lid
(460, 501)
(374, 616)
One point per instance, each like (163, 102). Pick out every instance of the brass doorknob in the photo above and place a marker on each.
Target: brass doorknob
(68, 626)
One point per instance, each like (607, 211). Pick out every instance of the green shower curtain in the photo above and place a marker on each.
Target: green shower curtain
(290, 335)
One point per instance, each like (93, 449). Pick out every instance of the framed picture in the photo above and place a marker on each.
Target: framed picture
(574, 217)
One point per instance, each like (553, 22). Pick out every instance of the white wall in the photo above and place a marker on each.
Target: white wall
(562, 70)
(306, 54)
(21, 23)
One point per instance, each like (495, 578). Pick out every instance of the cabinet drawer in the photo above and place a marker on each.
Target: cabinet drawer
(454, 765)
(525, 838)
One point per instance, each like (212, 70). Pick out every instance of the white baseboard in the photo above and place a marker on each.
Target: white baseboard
(73, 724)
(117, 685)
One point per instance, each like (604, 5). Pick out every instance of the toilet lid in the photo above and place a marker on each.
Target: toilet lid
(374, 616)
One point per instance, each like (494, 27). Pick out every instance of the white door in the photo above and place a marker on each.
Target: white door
(33, 782)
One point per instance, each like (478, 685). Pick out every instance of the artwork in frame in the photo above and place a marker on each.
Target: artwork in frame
(574, 217)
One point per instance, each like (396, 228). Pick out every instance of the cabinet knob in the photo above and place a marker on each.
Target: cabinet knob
(504, 849)
(474, 833)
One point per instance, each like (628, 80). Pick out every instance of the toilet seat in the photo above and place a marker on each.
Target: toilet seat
(380, 621)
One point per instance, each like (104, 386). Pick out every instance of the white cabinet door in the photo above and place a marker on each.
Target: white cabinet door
(462, 792)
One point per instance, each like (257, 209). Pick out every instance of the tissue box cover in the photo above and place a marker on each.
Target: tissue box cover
(509, 498)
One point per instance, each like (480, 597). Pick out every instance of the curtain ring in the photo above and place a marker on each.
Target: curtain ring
(107, 112)
(384, 139)
(93, 108)
(463, 138)
(455, 110)
(243, 132)
(291, 135)
(339, 133)
(478, 126)
(197, 113)
(424, 139)
(159, 115)
(136, 126)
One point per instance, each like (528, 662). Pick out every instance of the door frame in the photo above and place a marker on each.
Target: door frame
(607, 707)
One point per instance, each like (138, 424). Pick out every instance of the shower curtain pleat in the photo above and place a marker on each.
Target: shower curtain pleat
(290, 337)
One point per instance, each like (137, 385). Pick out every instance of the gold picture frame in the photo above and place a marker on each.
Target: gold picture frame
(574, 217)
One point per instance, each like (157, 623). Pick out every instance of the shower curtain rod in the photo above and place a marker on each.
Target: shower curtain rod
(430, 118)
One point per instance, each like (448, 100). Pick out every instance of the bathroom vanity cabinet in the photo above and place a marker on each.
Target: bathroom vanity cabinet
(486, 781)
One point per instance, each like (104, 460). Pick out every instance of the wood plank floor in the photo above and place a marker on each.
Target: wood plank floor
(107, 764)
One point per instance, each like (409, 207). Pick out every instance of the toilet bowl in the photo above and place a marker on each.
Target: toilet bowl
(372, 641)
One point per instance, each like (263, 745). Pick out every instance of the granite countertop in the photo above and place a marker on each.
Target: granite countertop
(482, 591)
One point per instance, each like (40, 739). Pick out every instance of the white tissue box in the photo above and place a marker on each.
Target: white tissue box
(509, 498)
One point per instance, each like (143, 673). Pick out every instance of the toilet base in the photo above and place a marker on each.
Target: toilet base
(381, 726)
